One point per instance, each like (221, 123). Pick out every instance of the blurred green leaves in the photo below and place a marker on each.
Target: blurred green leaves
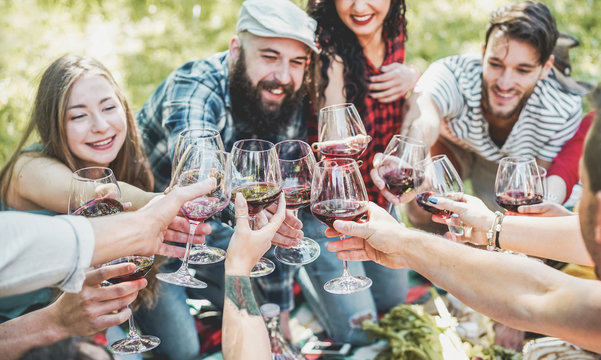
(142, 41)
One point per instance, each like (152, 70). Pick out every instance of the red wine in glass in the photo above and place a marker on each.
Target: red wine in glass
(329, 211)
(400, 181)
(422, 201)
(297, 196)
(512, 200)
(99, 207)
(258, 195)
(143, 266)
(201, 209)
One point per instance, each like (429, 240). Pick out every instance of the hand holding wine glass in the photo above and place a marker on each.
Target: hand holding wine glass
(440, 179)
(338, 193)
(199, 164)
(395, 171)
(296, 166)
(88, 196)
(341, 133)
(255, 173)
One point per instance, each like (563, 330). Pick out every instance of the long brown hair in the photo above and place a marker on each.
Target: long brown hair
(47, 120)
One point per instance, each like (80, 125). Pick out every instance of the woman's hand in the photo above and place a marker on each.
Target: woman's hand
(246, 245)
(96, 308)
(395, 81)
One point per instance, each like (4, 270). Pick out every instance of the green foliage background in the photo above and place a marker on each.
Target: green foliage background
(142, 41)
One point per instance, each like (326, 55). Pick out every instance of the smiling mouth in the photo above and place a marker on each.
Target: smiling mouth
(276, 91)
(361, 19)
(102, 143)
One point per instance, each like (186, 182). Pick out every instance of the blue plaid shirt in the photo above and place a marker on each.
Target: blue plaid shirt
(197, 96)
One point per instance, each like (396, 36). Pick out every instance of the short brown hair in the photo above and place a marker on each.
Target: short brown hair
(527, 21)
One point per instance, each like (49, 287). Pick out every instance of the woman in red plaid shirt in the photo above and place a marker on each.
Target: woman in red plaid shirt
(361, 62)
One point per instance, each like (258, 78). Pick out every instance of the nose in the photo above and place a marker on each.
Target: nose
(359, 5)
(506, 80)
(282, 73)
(99, 124)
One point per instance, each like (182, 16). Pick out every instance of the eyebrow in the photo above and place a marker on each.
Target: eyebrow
(83, 106)
(522, 65)
(270, 50)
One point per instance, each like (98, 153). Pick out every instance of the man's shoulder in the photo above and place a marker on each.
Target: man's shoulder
(552, 95)
(212, 69)
(463, 65)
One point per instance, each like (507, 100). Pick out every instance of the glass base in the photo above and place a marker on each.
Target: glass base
(305, 252)
(135, 345)
(181, 278)
(262, 267)
(347, 284)
(203, 255)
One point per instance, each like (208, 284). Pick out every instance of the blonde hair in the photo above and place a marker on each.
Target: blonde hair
(48, 118)
(48, 121)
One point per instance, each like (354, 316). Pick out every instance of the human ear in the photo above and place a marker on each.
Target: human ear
(547, 67)
(234, 49)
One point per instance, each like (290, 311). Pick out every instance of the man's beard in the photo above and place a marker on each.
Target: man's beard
(488, 109)
(253, 117)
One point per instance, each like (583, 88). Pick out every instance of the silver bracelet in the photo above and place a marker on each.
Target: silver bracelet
(492, 235)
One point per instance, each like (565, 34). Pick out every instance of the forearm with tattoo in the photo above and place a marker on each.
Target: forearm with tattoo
(239, 290)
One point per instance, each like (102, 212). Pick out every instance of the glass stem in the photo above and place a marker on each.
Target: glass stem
(251, 220)
(193, 226)
(345, 272)
(133, 332)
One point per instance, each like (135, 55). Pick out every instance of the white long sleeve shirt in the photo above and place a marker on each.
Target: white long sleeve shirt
(39, 251)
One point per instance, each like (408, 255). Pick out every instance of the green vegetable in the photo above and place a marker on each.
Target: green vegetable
(411, 334)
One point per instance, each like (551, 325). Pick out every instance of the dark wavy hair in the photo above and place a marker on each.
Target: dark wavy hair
(336, 39)
(592, 146)
(527, 21)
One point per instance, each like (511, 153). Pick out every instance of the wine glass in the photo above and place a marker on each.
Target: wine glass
(255, 173)
(518, 183)
(440, 179)
(296, 166)
(134, 343)
(338, 193)
(197, 164)
(197, 136)
(398, 167)
(341, 133)
(94, 191)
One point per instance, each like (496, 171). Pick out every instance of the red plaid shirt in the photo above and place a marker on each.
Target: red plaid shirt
(381, 120)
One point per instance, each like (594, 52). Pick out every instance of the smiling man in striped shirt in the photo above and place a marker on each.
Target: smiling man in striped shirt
(507, 102)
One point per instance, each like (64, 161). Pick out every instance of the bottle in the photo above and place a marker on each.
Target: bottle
(280, 348)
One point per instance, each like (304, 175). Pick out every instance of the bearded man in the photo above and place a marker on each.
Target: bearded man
(253, 90)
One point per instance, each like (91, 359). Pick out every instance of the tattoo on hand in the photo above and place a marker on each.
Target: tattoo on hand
(239, 290)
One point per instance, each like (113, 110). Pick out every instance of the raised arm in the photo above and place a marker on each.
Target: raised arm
(244, 330)
(520, 292)
(43, 183)
(557, 238)
(422, 118)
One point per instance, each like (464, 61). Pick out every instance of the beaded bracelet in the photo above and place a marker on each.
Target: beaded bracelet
(492, 235)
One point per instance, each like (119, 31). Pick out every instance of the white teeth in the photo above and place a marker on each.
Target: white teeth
(277, 91)
(362, 18)
(101, 143)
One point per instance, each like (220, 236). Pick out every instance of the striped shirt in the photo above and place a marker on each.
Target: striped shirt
(549, 118)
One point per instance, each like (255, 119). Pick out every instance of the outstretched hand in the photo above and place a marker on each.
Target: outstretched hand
(246, 245)
(376, 239)
(546, 208)
(96, 308)
(472, 211)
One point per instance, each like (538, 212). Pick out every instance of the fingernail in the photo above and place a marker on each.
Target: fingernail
(433, 200)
